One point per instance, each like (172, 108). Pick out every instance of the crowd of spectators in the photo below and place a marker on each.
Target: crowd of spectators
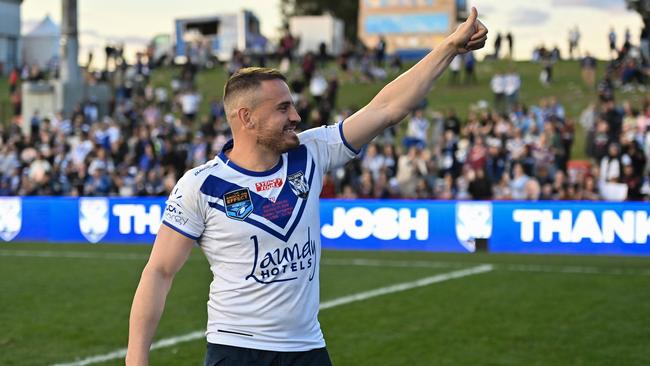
(152, 135)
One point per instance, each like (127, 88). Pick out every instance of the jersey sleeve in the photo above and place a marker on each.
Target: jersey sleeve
(329, 145)
(183, 211)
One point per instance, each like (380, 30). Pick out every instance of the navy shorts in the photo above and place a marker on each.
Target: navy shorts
(220, 355)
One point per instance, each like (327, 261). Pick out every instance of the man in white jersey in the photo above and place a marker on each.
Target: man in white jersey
(254, 212)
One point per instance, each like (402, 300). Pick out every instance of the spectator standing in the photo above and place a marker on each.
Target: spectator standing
(588, 70)
(190, 101)
(470, 68)
(454, 69)
(610, 165)
(380, 51)
(546, 76)
(373, 161)
(574, 39)
(13, 80)
(511, 90)
(611, 38)
(644, 43)
(511, 44)
(518, 182)
(480, 188)
(417, 130)
(498, 86)
(497, 46)
(308, 67)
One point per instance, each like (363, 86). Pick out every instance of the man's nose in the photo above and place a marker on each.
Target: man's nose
(294, 116)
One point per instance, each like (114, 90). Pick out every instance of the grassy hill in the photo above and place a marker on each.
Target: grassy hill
(567, 87)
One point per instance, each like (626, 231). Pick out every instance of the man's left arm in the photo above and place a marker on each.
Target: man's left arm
(401, 95)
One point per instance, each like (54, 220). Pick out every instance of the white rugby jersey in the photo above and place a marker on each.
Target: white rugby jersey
(260, 232)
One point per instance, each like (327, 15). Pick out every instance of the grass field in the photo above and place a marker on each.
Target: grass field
(60, 304)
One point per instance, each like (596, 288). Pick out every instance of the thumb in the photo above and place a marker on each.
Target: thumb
(472, 16)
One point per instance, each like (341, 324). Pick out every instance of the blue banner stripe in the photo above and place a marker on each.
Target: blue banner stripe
(543, 227)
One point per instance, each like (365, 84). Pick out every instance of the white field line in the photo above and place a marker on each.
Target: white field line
(405, 286)
(168, 342)
(503, 267)
(362, 262)
(121, 353)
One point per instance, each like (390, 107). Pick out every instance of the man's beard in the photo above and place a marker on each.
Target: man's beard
(279, 142)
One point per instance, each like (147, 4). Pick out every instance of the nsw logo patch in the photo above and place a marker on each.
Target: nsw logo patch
(238, 204)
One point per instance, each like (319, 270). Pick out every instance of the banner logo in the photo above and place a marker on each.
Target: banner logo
(11, 217)
(93, 218)
(473, 221)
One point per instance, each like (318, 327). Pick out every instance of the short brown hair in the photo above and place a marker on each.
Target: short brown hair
(249, 78)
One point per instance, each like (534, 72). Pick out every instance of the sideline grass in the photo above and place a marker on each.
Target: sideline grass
(78, 307)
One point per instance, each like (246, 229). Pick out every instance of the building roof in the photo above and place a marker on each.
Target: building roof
(46, 28)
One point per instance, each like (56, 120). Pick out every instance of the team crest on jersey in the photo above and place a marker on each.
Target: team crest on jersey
(238, 204)
(473, 221)
(93, 218)
(11, 217)
(299, 184)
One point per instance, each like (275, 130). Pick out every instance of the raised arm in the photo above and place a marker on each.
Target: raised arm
(169, 252)
(401, 95)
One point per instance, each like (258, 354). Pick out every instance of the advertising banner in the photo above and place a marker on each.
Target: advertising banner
(603, 228)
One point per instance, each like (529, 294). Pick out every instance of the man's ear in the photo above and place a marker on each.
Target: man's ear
(244, 114)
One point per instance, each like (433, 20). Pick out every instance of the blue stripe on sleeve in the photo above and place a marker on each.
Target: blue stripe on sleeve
(180, 231)
(345, 142)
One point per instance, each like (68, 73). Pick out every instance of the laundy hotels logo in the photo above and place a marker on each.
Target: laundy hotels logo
(11, 217)
(284, 263)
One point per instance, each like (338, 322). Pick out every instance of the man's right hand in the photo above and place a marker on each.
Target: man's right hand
(470, 35)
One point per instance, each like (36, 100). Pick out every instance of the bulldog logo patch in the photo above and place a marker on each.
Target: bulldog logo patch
(299, 184)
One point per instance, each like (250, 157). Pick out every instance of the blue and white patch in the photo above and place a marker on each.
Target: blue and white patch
(238, 204)
(93, 218)
(473, 221)
(299, 184)
(11, 217)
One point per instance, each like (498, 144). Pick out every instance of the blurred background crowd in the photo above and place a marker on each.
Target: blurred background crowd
(500, 149)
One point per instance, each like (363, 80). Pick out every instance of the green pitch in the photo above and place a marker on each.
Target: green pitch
(65, 303)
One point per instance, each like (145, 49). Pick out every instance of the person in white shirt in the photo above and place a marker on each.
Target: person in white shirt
(417, 130)
(512, 84)
(454, 68)
(254, 211)
(190, 101)
(498, 86)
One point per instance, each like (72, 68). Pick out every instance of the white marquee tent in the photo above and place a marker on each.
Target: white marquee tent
(41, 44)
